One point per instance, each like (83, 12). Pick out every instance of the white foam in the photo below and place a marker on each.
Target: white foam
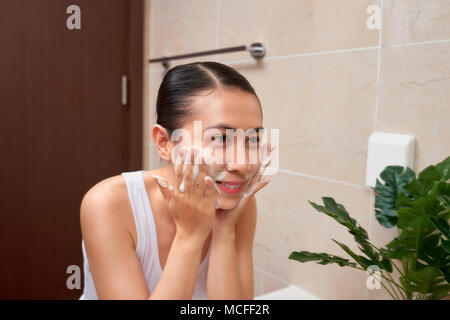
(182, 186)
(161, 181)
(220, 176)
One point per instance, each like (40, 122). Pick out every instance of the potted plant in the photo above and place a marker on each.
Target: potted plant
(420, 209)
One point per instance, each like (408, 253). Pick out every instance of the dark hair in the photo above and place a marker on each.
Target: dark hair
(182, 83)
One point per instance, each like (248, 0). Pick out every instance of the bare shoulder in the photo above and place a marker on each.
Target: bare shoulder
(105, 202)
(109, 191)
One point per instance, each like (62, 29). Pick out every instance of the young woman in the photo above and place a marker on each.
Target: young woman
(184, 231)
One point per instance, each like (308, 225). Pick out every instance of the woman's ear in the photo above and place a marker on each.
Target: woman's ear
(162, 141)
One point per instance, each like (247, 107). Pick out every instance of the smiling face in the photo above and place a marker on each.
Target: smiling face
(233, 162)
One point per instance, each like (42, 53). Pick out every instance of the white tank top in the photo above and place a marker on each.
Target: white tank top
(147, 244)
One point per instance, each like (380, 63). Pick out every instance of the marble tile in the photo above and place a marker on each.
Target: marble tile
(415, 21)
(182, 27)
(289, 27)
(414, 96)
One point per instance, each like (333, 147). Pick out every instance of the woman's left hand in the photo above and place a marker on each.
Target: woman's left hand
(226, 220)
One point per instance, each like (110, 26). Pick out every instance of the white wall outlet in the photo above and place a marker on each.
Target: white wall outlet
(388, 149)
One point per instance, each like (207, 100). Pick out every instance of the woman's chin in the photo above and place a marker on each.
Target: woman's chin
(227, 204)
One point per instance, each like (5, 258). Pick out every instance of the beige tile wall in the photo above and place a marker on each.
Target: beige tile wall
(327, 82)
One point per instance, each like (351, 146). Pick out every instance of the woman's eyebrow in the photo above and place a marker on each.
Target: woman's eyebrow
(225, 126)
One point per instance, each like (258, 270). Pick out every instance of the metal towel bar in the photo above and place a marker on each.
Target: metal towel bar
(256, 50)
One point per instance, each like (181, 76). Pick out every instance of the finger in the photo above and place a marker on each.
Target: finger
(255, 176)
(209, 154)
(266, 159)
(163, 186)
(188, 171)
(263, 168)
(210, 192)
(196, 161)
(258, 186)
(179, 168)
(199, 175)
(265, 180)
(266, 155)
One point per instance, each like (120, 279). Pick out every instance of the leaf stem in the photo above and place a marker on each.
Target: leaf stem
(385, 288)
(390, 260)
(395, 293)
(400, 290)
(397, 268)
(382, 277)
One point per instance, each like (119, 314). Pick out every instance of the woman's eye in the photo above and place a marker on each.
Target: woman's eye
(219, 139)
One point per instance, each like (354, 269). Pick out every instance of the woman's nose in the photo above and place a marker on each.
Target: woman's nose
(238, 161)
(240, 168)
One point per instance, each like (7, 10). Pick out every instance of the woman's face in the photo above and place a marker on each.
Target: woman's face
(234, 158)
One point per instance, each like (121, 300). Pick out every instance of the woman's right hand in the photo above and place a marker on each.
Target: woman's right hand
(192, 200)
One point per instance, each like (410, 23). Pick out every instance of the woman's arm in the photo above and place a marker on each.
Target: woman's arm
(113, 261)
(230, 271)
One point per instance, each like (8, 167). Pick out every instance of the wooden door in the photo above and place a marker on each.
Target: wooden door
(63, 128)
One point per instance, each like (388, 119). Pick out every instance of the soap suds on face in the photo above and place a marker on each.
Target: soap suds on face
(220, 176)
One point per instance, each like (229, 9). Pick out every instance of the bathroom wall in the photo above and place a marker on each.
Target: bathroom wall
(327, 82)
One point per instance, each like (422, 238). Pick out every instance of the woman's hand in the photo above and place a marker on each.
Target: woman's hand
(226, 220)
(191, 201)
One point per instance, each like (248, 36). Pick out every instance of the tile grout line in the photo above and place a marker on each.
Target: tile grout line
(377, 102)
(322, 178)
(417, 43)
(304, 54)
(377, 94)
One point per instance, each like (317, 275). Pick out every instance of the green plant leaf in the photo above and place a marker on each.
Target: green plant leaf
(441, 225)
(446, 272)
(439, 172)
(446, 245)
(424, 182)
(362, 261)
(386, 264)
(424, 281)
(443, 195)
(420, 207)
(395, 178)
(320, 258)
(401, 248)
(338, 212)
(439, 291)
(444, 169)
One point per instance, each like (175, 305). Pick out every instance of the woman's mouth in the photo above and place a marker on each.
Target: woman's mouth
(230, 187)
